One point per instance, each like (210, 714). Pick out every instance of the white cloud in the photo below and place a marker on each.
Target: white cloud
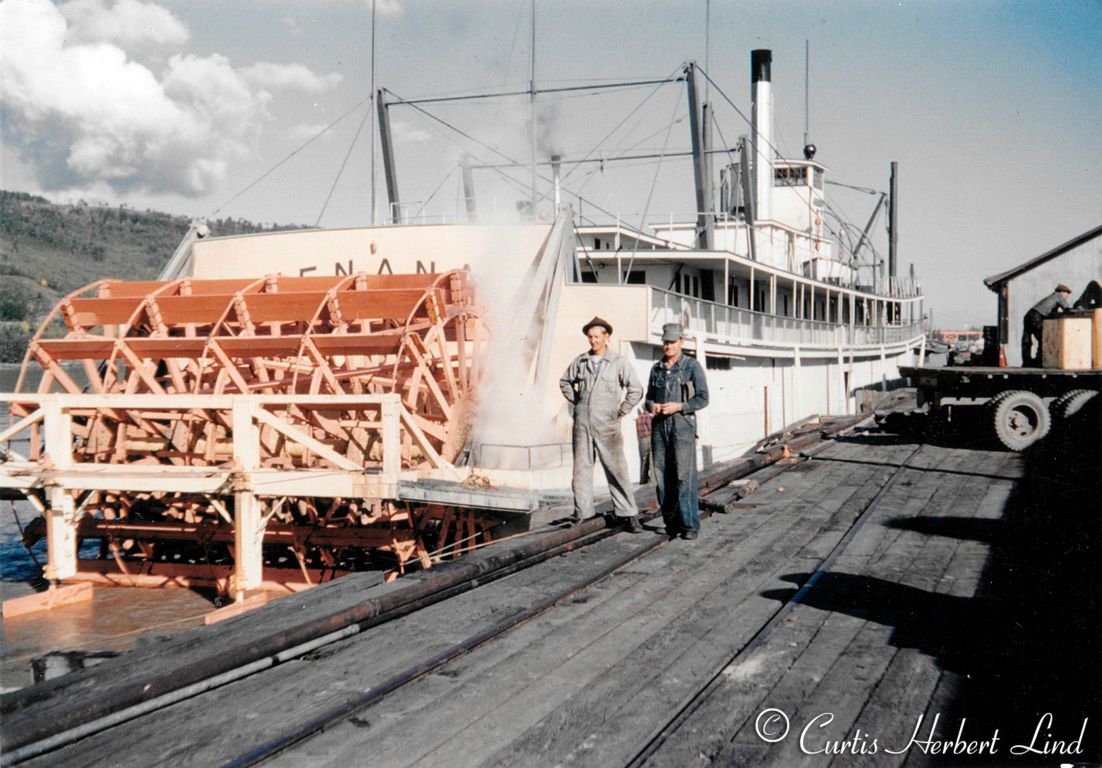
(130, 23)
(387, 7)
(407, 133)
(292, 76)
(84, 114)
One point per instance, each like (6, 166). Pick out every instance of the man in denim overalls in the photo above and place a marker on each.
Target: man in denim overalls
(676, 391)
(602, 388)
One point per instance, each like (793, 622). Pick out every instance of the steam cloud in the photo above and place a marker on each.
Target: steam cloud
(83, 112)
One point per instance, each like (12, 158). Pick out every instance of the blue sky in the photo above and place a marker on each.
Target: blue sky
(992, 109)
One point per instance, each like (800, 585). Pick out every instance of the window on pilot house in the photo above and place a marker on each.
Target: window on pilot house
(790, 177)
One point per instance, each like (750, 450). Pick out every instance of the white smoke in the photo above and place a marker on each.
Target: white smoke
(83, 113)
(519, 424)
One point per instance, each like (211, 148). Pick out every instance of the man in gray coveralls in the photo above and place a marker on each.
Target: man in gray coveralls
(603, 388)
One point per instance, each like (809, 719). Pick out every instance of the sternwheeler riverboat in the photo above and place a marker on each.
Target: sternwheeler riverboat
(285, 407)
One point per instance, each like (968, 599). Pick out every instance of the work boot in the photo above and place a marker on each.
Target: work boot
(690, 534)
(632, 524)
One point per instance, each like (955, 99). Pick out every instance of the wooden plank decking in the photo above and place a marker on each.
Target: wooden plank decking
(969, 592)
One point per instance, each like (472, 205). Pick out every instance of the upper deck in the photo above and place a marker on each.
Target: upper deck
(741, 302)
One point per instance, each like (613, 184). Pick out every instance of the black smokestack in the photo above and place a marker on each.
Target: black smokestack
(761, 65)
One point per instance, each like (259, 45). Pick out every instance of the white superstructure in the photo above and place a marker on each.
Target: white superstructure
(773, 307)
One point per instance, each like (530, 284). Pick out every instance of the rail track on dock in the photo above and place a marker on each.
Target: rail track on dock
(287, 739)
(28, 737)
(697, 699)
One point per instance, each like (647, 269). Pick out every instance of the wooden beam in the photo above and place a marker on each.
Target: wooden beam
(57, 596)
(306, 440)
(35, 416)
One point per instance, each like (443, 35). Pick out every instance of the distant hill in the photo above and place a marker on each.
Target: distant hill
(48, 250)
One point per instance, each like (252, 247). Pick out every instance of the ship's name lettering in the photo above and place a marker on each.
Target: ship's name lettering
(381, 267)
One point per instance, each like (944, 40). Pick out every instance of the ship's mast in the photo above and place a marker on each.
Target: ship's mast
(374, 61)
(387, 148)
(807, 90)
(705, 226)
(893, 221)
(532, 114)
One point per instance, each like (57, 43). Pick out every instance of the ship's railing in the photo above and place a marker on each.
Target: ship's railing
(722, 322)
(899, 287)
(258, 446)
(57, 429)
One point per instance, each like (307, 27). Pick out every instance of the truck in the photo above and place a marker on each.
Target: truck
(1019, 404)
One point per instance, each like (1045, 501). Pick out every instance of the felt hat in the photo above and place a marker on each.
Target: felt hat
(597, 322)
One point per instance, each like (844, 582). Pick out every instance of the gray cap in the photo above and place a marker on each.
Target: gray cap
(671, 332)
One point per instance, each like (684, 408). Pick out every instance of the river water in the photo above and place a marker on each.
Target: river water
(17, 566)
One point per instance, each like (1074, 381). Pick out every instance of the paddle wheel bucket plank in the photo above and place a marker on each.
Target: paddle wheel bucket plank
(226, 420)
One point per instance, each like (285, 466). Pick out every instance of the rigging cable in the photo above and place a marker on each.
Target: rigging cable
(628, 116)
(484, 145)
(415, 103)
(431, 196)
(294, 152)
(653, 184)
(340, 171)
(773, 149)
(509, 60)
(516, 184)
(566, 89)
(866, 190)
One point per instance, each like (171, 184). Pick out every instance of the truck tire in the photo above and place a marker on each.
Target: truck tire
(1070, 403)
(1021, 419)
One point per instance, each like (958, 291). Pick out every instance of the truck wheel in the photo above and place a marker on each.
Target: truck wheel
(1070, 403)
(1021, 419)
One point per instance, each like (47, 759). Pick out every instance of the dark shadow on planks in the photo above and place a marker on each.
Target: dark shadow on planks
(1028, 643)
(956, 527)
(954, 629)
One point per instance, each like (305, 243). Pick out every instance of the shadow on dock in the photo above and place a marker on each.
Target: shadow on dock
(1028, 642)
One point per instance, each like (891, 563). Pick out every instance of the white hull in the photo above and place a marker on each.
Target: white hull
(764, 372)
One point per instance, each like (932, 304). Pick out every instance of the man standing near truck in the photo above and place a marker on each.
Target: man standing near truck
(1050, 305)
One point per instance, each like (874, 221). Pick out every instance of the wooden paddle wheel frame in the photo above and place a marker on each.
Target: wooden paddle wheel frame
(243, 434)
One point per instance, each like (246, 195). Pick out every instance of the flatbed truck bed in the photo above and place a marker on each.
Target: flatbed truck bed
(1021, 403)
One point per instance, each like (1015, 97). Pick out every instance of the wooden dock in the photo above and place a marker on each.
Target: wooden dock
(863, 591)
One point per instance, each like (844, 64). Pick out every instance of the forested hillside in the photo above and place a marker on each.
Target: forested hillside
(48, 250)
